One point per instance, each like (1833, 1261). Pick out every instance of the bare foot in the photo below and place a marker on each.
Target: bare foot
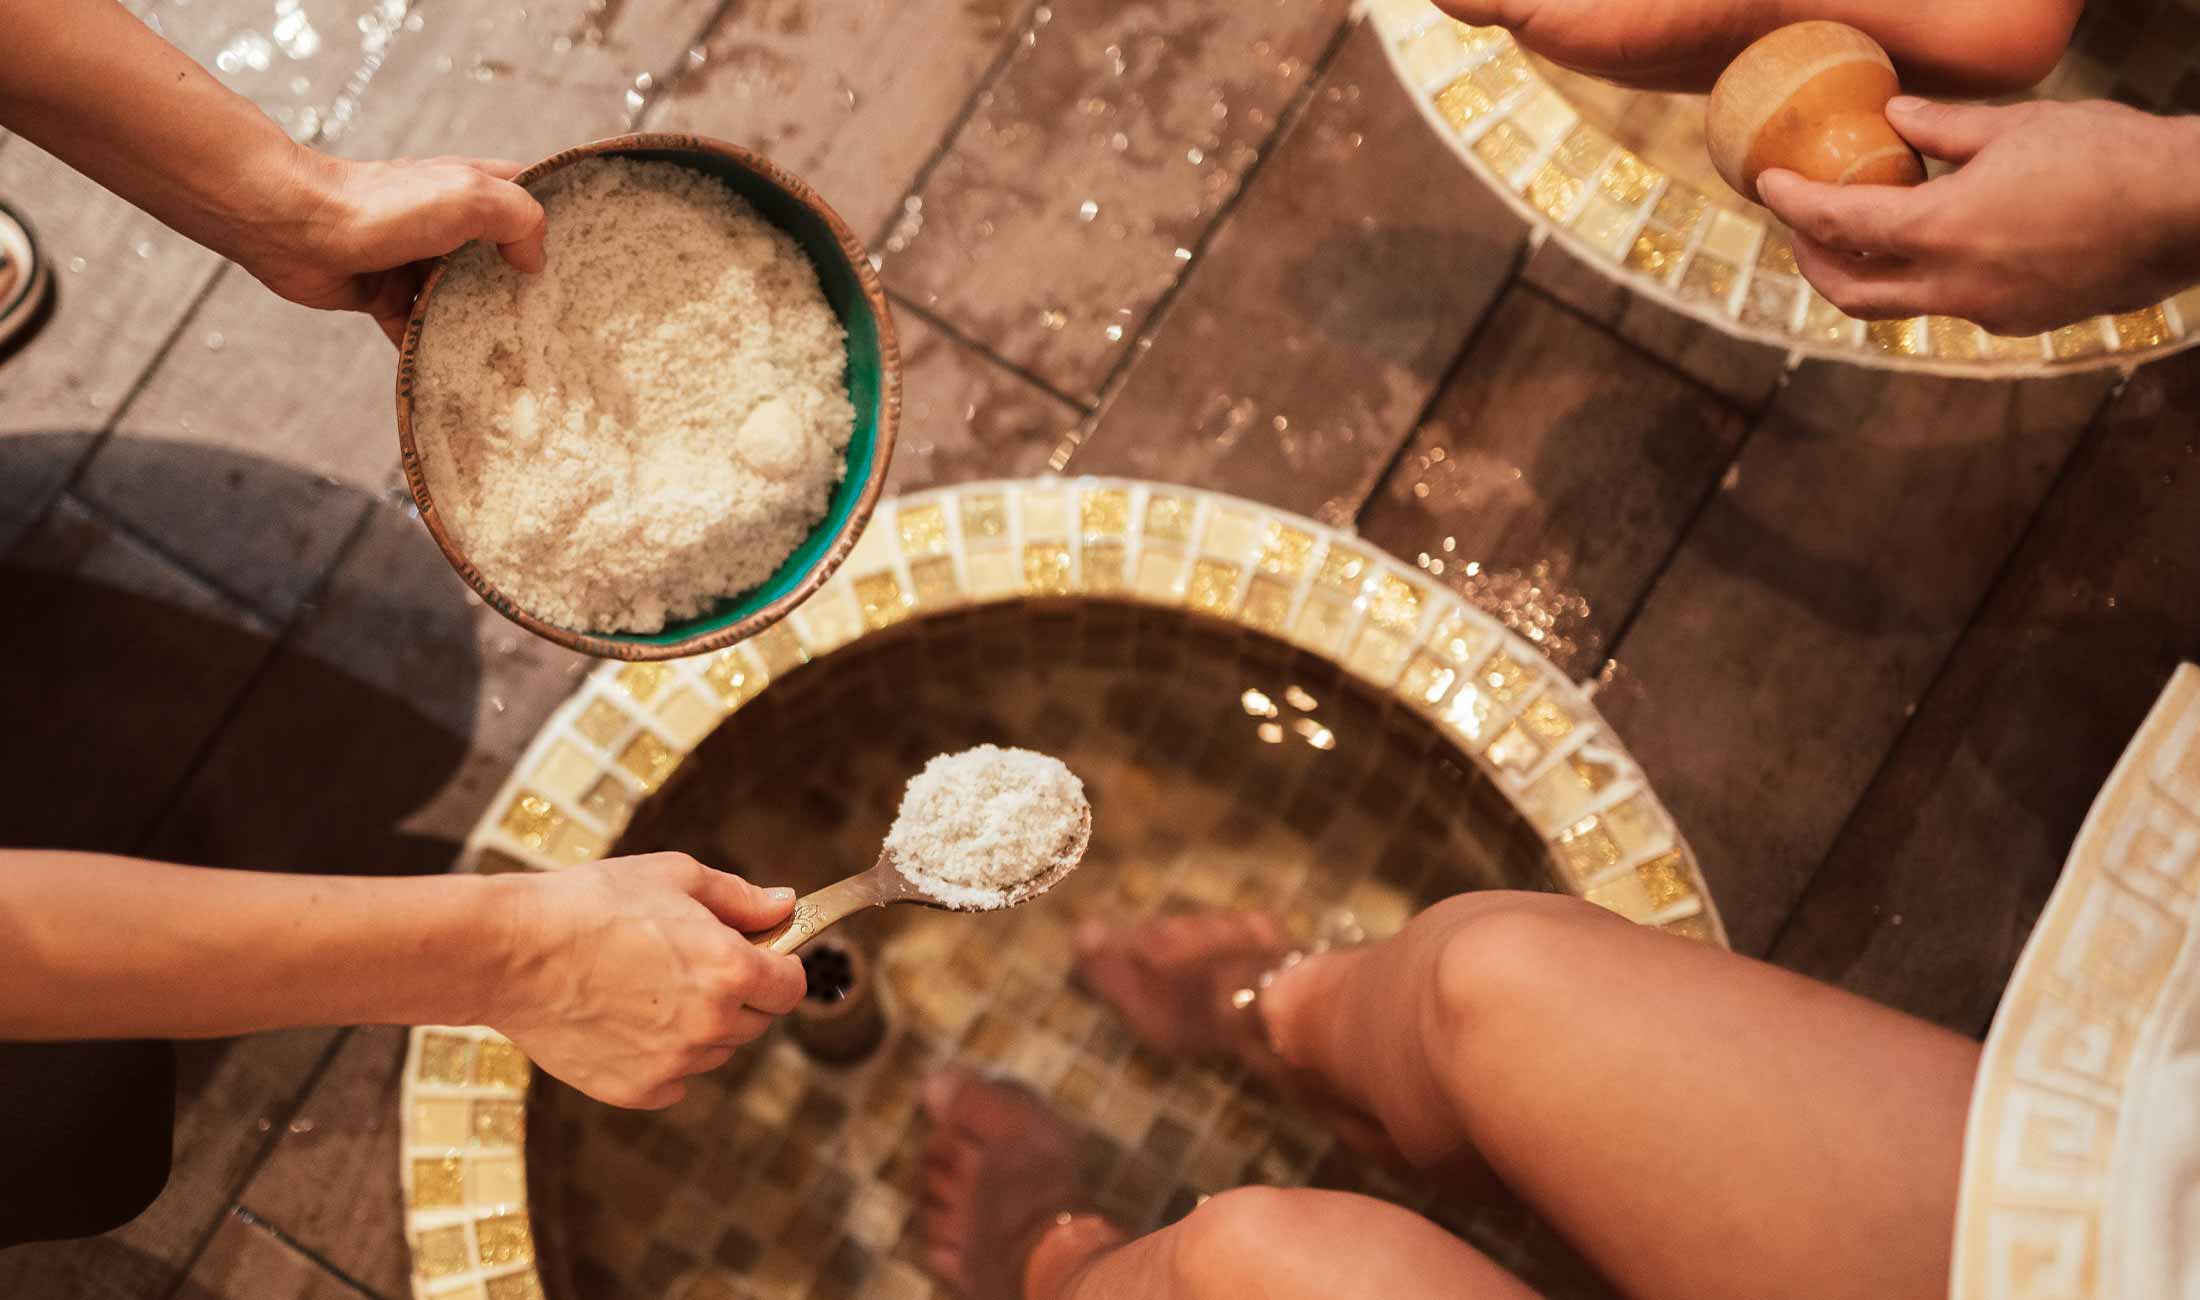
(1173, 980)
(1178, 981)
(1000, 1169)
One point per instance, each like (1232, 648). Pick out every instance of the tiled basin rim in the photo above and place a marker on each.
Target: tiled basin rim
(1534, 734)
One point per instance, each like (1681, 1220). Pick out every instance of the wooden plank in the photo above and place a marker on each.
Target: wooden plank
(852, 97)
(1812, 603)
(1116, 136)
(233, 1097)
(432, 694)
(1933, 887)
(1554, 445)
(124, 281)
(295, 390)
(1744, 373)
(296, 404)
(330, 1184)
(1309, 336)
(247, 1262)
(119, 666)
(521, 81)
(965, 416)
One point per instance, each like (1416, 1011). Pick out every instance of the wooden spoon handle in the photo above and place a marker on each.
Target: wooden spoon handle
(818, 912)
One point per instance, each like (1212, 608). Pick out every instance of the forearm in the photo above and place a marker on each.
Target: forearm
(94, 86)
(93, 946)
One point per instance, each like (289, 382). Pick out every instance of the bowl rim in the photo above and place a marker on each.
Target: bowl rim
(606, 646)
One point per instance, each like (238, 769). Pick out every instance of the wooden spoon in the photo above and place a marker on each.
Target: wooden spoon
(816, 912)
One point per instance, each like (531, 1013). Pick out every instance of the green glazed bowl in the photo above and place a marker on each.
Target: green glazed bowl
(874, 387)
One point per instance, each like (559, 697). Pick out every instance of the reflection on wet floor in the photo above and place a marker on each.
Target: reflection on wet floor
(1224, 770)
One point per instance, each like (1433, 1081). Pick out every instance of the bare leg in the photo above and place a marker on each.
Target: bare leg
(999, 1224)
(1698, 1124)
(1977, 47)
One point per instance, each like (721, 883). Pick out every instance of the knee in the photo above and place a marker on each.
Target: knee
(1232, 1240)
(1496, 956)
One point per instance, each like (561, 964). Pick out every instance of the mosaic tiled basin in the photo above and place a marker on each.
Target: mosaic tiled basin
(1621, 180)
(1267, 712)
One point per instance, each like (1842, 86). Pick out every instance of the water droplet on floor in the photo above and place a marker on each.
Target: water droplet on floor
(76, 264)
(1053, 318)
(1087, 210)
(634, 101)
(1119, 142)
(214, 341)
(1195, 155)
(643, 81)
(143, 248)
(301, 1125)
(1114, 333)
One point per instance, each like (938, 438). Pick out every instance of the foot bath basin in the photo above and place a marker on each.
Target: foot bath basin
(1266, 713)
(1621, 179)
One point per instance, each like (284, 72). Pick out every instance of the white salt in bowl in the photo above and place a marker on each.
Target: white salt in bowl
(857, 298)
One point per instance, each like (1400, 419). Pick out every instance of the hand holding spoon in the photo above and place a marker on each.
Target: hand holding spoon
(978, 831)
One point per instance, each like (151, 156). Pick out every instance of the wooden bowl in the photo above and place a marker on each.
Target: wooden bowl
(874, 387)
(1809, 98)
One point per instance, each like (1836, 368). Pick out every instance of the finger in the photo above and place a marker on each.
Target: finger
(1955, 132)
(392, 303)
(525, 253)
(779, 981)
(1868, 289)
(658, 1098)
(740, 904)
(710, 1058)
(747, 1025)
(1879, 219)
(503, 169)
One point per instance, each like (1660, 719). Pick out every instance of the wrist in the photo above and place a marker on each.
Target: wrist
(280, 205)
(498, 919)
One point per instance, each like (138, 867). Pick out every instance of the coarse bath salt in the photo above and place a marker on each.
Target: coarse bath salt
(989, 827)
(654, 422)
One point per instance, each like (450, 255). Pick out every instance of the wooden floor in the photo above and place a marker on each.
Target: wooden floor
(1878, 639)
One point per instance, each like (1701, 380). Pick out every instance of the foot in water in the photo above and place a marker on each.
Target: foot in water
(1000, 1172)
(1179, 983)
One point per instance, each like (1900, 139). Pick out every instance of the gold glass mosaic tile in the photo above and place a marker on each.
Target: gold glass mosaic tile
(781, 1179)
(1461, 102)
(1105, 512)
(923, 529)
(1169, 517)
(1505, 148)
(1538, 134)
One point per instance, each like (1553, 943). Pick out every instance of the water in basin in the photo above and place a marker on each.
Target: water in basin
(1224, 769)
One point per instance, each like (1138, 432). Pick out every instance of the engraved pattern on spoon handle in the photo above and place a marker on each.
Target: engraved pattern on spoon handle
(817, 912)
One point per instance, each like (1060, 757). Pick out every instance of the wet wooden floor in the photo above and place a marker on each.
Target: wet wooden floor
(1878, 639)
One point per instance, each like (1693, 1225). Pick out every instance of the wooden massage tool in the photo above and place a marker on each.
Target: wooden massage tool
(1811, 99)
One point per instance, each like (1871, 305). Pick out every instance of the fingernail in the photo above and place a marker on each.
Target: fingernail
(779, 894)
(1905, 104)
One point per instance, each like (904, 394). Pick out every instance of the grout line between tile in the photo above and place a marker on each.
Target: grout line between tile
(951, 330)
(252, 1167)
(1646, 354)
(261, 620)
(245, 1215)
(1287, 125)
(986, 79)
(1512, 280)
(276, 645)
(2084, 446)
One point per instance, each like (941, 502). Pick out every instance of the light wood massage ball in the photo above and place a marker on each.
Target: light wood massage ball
(1812, 99)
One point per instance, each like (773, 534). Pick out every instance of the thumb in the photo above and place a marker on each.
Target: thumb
(1954, 132)
(472, 203)
(738, 903)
